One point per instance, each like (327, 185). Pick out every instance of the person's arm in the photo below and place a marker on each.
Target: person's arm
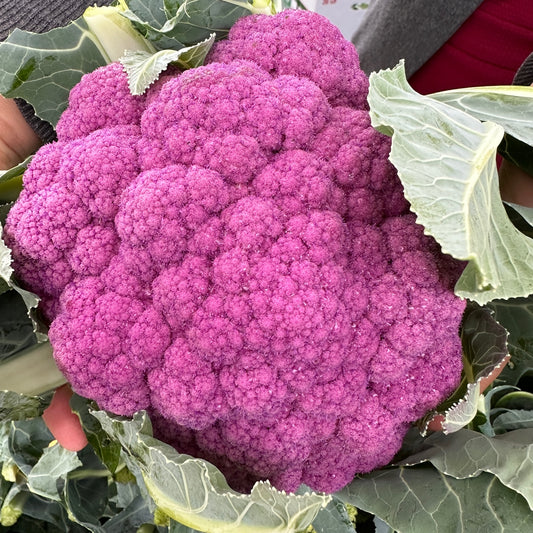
(516, 186)
(17, 138)
(21, 132)
(407, 29)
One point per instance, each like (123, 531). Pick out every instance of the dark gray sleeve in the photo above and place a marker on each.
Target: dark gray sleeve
(39, 17)
(43, 129)
(408, 29)
(524, 75)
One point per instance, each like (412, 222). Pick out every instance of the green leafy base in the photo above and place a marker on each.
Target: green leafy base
(127, 479)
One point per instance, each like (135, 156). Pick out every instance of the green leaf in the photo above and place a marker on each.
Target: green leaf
(67, 491)
(5, 485)
(484, 343)
(467, 453)
(170, 25)
(506, 105)
(54, 464)
(518, 219)
(45, 516)
(194, 56)
(487, 410)
(9, 468)
(334, 517)
(42, 68)
(513, 419)
(5, 267)
(13, 505)
(85, 499)
(525, 212)
(106, 449)
(176, 527)
(381, 526)
(144, 68)
(4, 211)
(151, 13)
(4, 287)
(10, 189)
(131, 517)
(7, 278)
(446, 162)
(421, 499)
(126, 492)
(11, 181)
(15, 172)
(516, 400)
(196, 494)
(518, 152)
(516, 315)
(170, 7)
(15, 406)
(485, 351)
(6, 271)
(27, 441)
(134, 470)
(16, 328)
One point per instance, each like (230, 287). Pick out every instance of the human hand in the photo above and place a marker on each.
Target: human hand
(63, 423)
(516, 185)
(17, 139)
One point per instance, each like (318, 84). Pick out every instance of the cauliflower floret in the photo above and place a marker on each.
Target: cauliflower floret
(301, 44)
(233, 253)
(62, 224)
(101, 101)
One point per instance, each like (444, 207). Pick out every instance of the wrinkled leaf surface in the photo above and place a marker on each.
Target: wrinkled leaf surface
(446, 161)
(196, 494)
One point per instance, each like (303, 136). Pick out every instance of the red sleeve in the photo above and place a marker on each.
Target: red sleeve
(487, 49)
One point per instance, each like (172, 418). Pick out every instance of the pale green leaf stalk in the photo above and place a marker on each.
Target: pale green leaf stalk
(13, 506)
(10, 471)
(31, 372)
(114, 33)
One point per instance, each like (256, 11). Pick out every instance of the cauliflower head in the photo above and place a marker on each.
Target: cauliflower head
(232, 252)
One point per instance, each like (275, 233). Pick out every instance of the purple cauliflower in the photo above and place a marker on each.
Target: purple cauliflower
(232, 252)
